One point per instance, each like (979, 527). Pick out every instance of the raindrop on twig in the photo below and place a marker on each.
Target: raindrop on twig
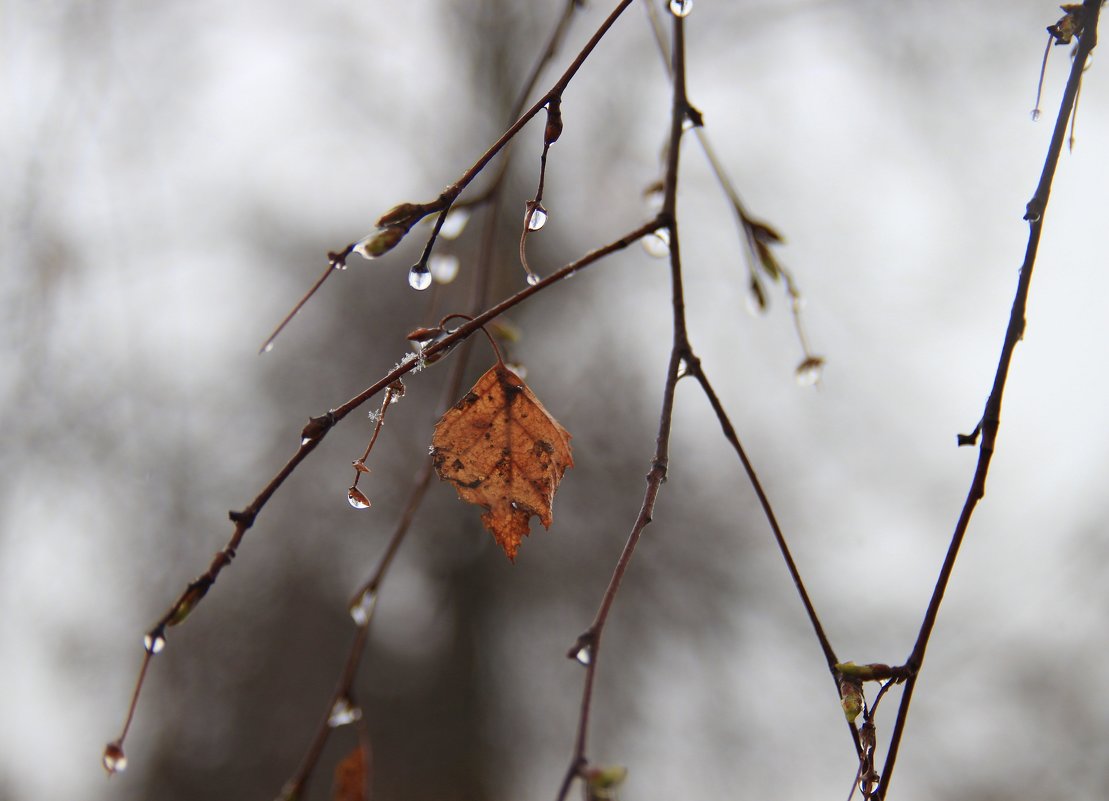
(363, 608)
(357, 498)
(419, 277)
(681, 8)
(114, 760)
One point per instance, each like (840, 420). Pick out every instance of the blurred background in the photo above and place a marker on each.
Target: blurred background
(171, 176)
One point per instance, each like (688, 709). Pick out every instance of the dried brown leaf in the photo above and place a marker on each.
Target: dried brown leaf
(350, 777)
(504, 452)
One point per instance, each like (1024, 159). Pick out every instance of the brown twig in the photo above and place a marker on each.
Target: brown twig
(587, 648)
(991, 417)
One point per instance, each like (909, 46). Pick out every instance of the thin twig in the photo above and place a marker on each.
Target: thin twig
(991, 417)
(588, 646)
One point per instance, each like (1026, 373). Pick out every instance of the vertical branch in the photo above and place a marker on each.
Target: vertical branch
(991, 417)
(587, 648)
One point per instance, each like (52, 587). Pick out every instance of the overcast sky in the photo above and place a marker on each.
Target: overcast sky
(171, 176)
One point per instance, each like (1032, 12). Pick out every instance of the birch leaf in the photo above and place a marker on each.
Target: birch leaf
(504, 452)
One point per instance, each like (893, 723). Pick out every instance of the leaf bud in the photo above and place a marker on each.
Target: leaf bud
(554, 121)
(405, 214)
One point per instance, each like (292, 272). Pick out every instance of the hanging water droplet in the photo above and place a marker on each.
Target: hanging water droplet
(154, 642)
(810, 371)
(657, 243)
(357, 498)
(681, 8)
(584, 654)
(114, 760)
(419, 277)
(343, 712)
(268, 348)
(444, 267)
(533, 279)
(455, 223)
(363, 608)
(536, 216)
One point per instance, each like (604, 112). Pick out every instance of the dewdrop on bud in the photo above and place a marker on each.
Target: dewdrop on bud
(154, 641)
(114, 760)
(419, 277)
(342, 713)
(657, 243)
(374, 245)
(810, 371)
(681, 8)
(535, 216)
(357, 498)
(363, 608)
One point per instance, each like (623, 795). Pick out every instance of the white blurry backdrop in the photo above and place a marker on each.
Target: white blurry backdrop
(171, 175)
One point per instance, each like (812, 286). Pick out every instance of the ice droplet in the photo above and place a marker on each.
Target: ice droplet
(154, 642)
(657, 243)
(419, 277)
(533, 279)
(535, 217)
(357, 498)
(444, 267)
(114, 760)
(455, 223)
(681, 8)
(810, 371)
(363, 608)
(342, 713)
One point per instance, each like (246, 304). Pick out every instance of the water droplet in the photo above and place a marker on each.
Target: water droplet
(518, 369)
(584, 655)
(533, 279)
(363, 608)
(681, 8)
(361, 247)
(341, 264)
(810, 371)
(357, 498)
(154, 642)
(268, 348)
(536, 216)
(305, 440)
(657, 243)
(343, 712)
(114, 760)
(419, 277)
(455, 223)
(444, 267)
